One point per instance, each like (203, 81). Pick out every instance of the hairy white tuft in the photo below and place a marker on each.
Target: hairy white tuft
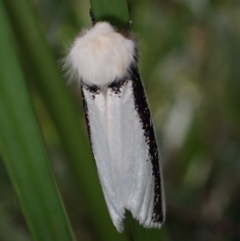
(101, 55)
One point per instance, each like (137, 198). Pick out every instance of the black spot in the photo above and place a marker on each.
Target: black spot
(91, 88)
(116, 86)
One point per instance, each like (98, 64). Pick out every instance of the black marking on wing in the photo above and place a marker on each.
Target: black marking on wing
(116, 86)
(145, 117)
(94, 91)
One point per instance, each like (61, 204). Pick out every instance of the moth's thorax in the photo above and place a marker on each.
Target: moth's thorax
(101, 55)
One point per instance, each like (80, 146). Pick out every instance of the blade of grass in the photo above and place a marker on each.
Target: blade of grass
(114, 11)
(63, 112)
(24, 152)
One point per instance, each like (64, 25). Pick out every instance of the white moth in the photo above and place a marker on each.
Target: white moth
(119, 124)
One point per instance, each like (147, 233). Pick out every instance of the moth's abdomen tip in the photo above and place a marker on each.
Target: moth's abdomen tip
(101, 55)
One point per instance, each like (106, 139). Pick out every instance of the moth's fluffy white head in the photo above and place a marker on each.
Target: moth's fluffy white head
(101, 55)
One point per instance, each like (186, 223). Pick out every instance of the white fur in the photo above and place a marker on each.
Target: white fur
(101, 55)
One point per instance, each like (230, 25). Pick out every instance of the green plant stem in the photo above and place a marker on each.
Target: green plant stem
(114, 11)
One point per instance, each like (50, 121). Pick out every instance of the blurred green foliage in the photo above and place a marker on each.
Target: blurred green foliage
(189, 59)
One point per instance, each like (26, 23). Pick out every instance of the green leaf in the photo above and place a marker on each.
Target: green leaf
(24, 152)
(63, 111)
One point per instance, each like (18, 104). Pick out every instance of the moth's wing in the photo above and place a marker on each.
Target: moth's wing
(96, 112)
(136, 171)
(156, 200)
(152, 212)
(131, 173)
(125, 151)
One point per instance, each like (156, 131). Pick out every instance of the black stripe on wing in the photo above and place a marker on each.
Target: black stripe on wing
(145, 117)
(94, 90)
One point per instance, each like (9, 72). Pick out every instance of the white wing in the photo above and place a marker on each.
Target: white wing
(122, 152)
